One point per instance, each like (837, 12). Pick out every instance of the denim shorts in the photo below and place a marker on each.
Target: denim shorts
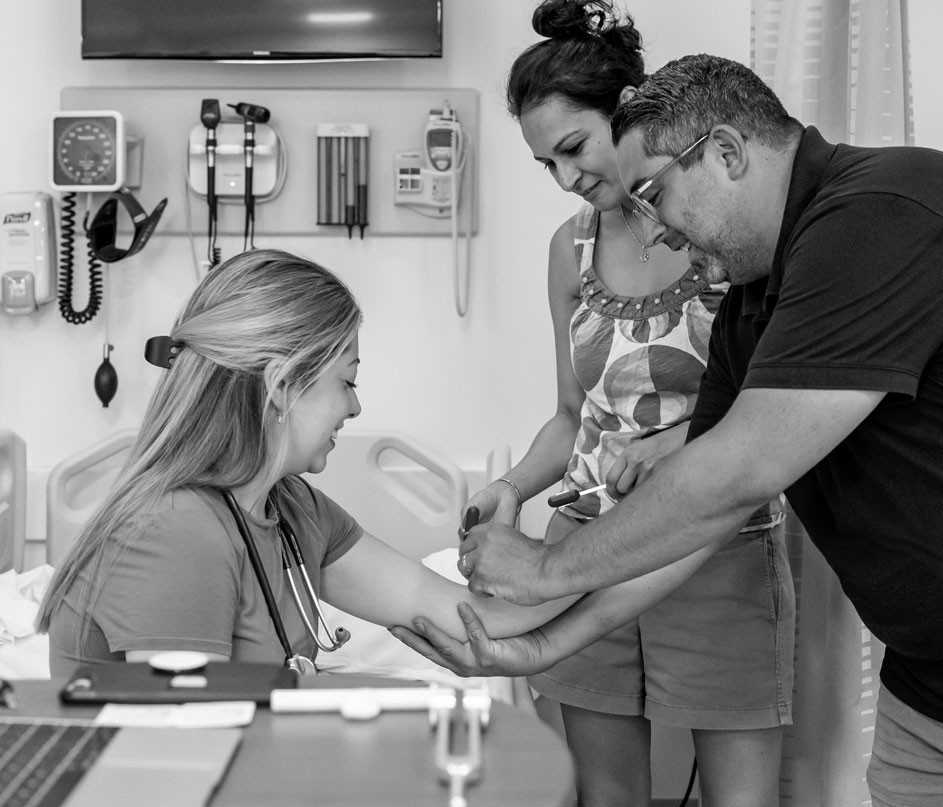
(717, 653)
(906, 767)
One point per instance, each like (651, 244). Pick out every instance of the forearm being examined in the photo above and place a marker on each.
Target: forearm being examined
(375, 582)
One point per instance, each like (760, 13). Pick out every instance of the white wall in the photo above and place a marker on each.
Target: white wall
(459, 385)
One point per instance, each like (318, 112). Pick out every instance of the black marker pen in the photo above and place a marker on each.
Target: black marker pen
(469, 520)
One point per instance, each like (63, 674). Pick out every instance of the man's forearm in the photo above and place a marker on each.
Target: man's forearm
(690, 501)
(699, 495)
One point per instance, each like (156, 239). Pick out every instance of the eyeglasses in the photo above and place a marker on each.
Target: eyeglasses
(645, 207)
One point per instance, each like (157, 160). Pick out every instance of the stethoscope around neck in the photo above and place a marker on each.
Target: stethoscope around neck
(291, 552)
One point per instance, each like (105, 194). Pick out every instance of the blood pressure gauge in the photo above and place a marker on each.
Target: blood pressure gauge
(88, 151)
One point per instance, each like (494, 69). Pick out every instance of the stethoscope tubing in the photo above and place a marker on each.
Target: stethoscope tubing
(338, 637)
(256, 561)
(290, 549)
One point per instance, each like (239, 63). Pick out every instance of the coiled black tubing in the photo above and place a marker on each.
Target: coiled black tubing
(67, 270)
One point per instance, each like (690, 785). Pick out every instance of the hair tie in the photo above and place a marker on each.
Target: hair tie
(597, 22)
(162, 350)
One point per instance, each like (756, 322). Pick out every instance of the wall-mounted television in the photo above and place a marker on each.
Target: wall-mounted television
(261, 30)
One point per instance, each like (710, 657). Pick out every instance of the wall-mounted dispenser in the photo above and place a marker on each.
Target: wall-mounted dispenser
(27, 251)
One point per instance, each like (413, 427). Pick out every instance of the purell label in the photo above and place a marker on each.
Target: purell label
(16, 218)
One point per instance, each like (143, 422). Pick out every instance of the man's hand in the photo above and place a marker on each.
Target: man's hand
(499, 561)
(640, 457)
(480, 655)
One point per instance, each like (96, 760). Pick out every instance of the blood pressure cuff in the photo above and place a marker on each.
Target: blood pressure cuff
(103, 230)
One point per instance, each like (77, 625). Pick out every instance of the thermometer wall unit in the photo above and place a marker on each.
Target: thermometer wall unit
(88, 151)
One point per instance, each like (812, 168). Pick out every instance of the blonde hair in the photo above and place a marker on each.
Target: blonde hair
(205, 423)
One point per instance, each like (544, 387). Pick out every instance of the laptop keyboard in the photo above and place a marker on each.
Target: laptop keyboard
(40, 763)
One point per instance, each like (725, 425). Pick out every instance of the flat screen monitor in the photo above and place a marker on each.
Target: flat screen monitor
(261, 30)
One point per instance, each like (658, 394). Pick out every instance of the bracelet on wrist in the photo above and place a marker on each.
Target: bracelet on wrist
(517, 491)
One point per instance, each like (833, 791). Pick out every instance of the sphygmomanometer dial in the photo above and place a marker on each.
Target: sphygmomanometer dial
(87, 151)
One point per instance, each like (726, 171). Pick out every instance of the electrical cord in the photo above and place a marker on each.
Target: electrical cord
(462, 308)
(248, 147)
(281, 173)
(191, 239)
(213, 252)
(67, 266)
(210, 121)
(687, 793)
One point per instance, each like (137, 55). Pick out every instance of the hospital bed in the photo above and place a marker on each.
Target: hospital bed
(397, 488)
(12, 500)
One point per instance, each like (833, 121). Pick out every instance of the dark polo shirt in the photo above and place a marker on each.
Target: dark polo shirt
(855, 301)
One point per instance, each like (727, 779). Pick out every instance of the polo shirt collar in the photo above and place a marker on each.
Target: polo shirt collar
(808, 168)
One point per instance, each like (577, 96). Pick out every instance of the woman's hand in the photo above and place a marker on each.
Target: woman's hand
(497, 503)
(480, 655)
(635, 464)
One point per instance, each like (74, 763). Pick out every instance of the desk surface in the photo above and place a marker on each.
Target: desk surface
(285, 760)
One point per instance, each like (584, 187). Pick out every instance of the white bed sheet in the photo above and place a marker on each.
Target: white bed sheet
(23, 653)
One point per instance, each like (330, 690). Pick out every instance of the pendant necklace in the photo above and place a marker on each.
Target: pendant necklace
(644, 256)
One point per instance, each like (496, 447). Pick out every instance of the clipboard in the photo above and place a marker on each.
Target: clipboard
(138, 682)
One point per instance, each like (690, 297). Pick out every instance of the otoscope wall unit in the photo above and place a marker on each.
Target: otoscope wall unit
(396, 121)
(230, 169)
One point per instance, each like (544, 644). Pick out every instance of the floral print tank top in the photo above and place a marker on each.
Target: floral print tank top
(639, 359)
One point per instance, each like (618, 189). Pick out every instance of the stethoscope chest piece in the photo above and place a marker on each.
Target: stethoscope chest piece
(301, 665)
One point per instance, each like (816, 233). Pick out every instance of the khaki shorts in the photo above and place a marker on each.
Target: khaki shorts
(715, 654)
(906, 766)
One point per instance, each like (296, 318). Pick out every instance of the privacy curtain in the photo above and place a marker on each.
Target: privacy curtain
(842, 66)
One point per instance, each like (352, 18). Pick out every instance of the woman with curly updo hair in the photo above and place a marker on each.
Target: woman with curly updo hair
(632, 321)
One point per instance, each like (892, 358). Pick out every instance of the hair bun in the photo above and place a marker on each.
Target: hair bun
(571, 19)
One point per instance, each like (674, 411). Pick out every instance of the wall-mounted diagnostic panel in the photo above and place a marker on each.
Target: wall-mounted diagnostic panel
(314, 194)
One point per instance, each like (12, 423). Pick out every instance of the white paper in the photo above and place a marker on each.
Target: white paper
(212, 714)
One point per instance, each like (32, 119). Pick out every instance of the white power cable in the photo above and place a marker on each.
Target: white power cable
(461, 308)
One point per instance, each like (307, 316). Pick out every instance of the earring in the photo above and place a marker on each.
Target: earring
(280, 418)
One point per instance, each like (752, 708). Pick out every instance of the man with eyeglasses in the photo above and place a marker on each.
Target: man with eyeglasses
(825, 380)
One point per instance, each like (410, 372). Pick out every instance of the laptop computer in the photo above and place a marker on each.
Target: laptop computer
(50, 762)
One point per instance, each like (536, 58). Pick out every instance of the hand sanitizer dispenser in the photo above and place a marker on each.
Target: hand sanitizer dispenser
(27, 252)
